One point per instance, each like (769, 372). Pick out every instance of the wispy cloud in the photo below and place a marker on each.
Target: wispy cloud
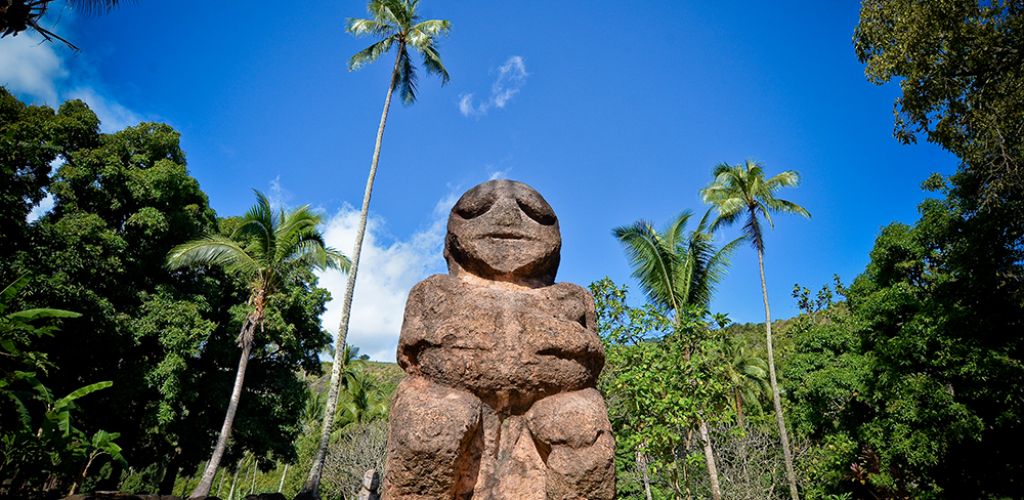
(511, 79)
(31, 68)
(41, 72)
(387, 271)
(278, 196)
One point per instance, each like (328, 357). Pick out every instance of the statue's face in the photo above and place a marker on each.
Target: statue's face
(504, 230)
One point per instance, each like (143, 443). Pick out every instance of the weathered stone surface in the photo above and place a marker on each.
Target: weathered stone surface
(502, 362)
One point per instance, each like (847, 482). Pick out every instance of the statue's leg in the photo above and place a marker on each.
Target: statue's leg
(574, 438)
(434, 442)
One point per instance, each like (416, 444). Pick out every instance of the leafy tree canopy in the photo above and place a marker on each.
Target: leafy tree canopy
(960, 65)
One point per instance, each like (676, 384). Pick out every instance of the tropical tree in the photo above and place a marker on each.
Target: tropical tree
(678, 271)
(270, 252)
(741, 191)
(958, 64)
(397, 25)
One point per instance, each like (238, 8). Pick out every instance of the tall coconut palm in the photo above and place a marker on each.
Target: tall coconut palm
(742, 192)
(270, 252)
(677, 271)
(396, 24)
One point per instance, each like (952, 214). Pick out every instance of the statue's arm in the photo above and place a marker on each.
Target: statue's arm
(589, 321)
(414, 326)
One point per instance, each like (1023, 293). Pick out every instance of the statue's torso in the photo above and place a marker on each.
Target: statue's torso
(497, 341)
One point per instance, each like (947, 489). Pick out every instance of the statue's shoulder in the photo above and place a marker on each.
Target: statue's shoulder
(433, 284)
(570, 289)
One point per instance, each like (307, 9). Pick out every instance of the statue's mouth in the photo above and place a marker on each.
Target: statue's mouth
(506, 236)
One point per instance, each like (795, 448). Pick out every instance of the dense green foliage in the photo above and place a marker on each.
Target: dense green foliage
(913, 383)
(165, 340)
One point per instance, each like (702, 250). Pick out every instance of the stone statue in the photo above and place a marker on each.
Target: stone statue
(502, 363)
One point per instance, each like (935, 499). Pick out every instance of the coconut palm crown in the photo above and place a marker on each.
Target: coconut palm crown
(742, 191)
(396, 23)
(269, 250)
(675, 269)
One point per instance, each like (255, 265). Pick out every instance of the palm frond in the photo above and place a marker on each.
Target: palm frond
(369, 27)
(94, 6)
(370, 54)
(337, 260)
(397, 12)
(406, 78)
(433, 28)
(786, 206)
(432, 61)
(720, 169)
(653, 263)
(215, 250)
(258, 223)
(789, 178)
(673, 233)
(767, 214)
(752, 232)
(300, 224)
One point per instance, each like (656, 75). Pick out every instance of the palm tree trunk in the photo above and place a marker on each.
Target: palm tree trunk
(203, 488)
(220, 485)
(686, 473)
(253, 486)
(234, 480)
(641, 464)
(776, 398)
(739, 409)
(280, 486)
(709, 457)
(312, 486)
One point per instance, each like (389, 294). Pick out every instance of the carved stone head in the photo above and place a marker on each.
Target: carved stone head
(504, 230)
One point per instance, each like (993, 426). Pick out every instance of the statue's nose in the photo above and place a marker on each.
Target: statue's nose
(507, 213)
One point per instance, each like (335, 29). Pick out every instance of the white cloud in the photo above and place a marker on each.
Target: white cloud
(511, 78)
(387, 271)
(113, 116)
(30, 66)
(40, 72)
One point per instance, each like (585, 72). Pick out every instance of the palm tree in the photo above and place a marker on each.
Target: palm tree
(677, 272)
(397, 25)
(741, 191)
(269, 251)
(747, 375)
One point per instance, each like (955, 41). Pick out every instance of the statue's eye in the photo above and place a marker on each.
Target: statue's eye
(473, 209)
(537, 210)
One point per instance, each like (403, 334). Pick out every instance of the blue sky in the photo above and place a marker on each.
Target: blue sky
(613, 112)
